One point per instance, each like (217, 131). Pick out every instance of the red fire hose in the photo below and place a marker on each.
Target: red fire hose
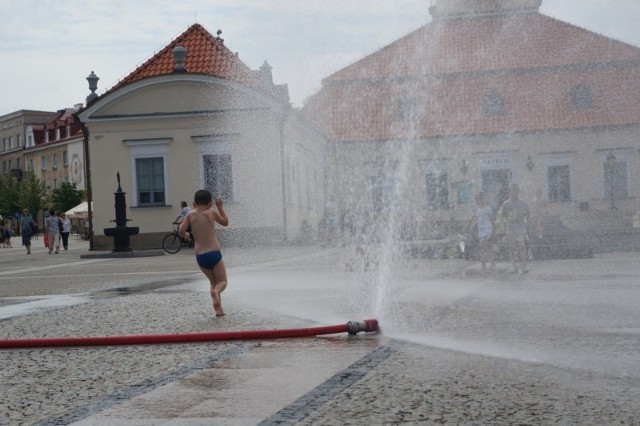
(352, 327)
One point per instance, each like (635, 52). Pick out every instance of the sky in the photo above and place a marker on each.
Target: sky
(49, 47)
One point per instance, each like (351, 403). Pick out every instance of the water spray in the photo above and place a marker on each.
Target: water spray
(352, 327)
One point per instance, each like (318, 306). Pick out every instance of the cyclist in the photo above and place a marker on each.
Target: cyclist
(184, 209)
(182, 213)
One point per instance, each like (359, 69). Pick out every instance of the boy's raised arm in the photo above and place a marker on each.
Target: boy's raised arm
(220, 215)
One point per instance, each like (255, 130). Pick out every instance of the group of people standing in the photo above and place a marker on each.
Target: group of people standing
(514, 212)
(57, 229)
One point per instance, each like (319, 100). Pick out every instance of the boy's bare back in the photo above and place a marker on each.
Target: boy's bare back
(202, 219)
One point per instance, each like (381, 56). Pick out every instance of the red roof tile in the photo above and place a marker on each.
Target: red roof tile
(206, 55)
(448, 67)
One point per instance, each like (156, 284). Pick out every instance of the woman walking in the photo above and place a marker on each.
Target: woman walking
(53, 230)
(65, 230)
(26, 228)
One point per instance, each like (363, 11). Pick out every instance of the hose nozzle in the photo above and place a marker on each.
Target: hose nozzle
(368, 326)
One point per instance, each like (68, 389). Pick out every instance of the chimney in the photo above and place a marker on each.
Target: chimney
(179, 54)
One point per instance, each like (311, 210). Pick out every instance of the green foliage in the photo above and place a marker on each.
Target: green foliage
(9, 196)
(33, 194)
(66, 197)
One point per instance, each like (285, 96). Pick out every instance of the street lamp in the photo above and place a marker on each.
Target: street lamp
(611, 163)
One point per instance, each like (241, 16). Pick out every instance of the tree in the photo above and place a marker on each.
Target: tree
(9, 192)
(66, 197)
(9, 196)
(33, 195)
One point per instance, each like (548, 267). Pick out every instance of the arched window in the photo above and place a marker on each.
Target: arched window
(493, 103)
(581, 97)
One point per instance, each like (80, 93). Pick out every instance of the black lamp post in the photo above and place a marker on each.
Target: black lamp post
(611, 163)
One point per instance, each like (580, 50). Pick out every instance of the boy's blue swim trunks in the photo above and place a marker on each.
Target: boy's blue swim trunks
(208, 260)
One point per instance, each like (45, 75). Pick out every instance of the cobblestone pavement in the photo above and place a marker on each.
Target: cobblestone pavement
(559, 345)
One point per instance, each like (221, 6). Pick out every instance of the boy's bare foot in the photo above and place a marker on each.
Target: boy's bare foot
(217, 303)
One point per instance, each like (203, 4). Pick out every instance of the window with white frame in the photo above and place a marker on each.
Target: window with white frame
(150, 181)
(217, 173)
(381, 191)
(437, 185)
(559, 182)
(615, 176)
(65, 158)
(43, 162)
(54, 161)
(148, 169)
(382, 185)
(559, 176)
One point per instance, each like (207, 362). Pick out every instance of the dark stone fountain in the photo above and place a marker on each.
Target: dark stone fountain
(121, 232)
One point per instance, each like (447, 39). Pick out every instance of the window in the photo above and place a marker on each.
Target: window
(19, 140)
(54, 161)
(18, 163)
(381, 192)
(29, 140)
(580, 97)
(68, 131)
(150, 181)
(43, 162)
(437, 190)
(407, 109)
(65, 158)
(57, 134)
(218, 177)
(559, 183)
(615, 178)
(493, 103)
(148, 159)
(31, 167)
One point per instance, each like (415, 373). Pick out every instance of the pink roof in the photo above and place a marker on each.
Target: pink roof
(448, 67)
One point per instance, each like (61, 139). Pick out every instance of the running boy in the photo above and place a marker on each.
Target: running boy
(202, 219)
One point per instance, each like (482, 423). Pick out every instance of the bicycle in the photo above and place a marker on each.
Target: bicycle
(173, 242)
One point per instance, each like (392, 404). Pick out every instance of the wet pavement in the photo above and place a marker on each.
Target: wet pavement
(558, 345)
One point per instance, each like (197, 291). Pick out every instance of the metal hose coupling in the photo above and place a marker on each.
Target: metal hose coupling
(368, 326)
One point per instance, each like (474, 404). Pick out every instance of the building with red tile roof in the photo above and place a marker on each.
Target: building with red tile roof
(195, 116)
(490, 93)
(52, 147)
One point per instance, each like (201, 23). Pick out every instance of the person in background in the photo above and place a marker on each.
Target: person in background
(65, 230)
(483, 220)
(6, 235)
(53, 230)
(515, 211)
(26, 229)
(182, 213)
